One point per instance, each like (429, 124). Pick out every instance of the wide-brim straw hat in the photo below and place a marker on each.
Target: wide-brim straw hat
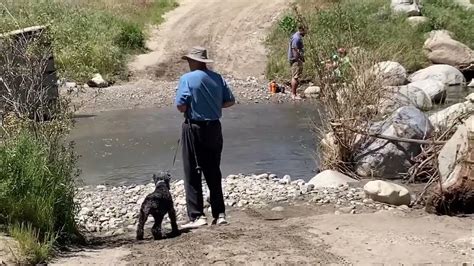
(198, 54)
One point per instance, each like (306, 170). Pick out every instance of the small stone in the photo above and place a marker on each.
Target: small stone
(70, 85)
(262, 176)
(101, 187)
(346, 209)
(272, 176)
(403, 208)
(337, 213)
(278, 209)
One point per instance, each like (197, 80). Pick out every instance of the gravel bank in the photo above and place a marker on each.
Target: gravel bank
(156, 94)
(115, 209)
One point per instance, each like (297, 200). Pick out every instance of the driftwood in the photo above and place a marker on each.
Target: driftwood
(390, 138)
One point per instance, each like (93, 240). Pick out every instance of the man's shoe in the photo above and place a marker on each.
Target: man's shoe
(198, 222)
(221, 220)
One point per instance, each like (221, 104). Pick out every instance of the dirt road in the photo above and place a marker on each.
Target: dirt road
(304, 234)
(232, 30)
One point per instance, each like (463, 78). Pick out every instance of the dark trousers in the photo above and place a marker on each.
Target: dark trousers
(205, 139)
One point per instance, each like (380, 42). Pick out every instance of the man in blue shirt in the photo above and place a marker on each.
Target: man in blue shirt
(201, 95)
(296, 59)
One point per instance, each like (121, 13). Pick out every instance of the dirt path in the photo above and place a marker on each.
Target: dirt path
(233, 31)
(305, 234)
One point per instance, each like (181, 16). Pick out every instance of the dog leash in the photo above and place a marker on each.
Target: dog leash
(198, 167)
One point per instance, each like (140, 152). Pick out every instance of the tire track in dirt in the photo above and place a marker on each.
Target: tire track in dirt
(232, 30)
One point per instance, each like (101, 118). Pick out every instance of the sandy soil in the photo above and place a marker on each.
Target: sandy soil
(302, 234)
(232, 31)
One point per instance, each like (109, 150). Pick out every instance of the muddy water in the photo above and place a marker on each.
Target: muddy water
(128, 146)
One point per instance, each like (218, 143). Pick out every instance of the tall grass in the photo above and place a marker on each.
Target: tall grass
(89, 36)
(37, 185)
(370, 25)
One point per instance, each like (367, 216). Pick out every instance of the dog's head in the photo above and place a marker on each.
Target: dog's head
(162, 178)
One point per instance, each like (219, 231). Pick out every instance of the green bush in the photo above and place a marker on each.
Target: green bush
(370, 25)
(88, 36)
(288, 24)
(37, 185)
(131, 37)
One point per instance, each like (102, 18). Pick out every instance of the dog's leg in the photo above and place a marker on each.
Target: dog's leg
(141, 220)
(174, 225)
(156, 229)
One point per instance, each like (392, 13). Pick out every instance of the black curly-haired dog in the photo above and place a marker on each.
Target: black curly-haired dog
(158, 203)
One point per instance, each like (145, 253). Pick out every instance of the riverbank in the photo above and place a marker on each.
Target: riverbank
(148, 93)
(299, 232)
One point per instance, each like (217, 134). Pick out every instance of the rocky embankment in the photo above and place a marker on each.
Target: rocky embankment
(113, 210)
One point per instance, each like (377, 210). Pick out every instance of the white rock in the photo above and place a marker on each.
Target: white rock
(445, 73)
(387, 192)
(417, 96)
(471, 84)
(278, 209)
(97, 81)
(440, 48)
(435, 89)
(447, 116)
(262, 176)
(408, 7)
(454, 148)
(417, 20)
(70, 85)
(312, 91)
(389, 73)
(330, 179)
(383, 158)
(392, 101)
(101, 187)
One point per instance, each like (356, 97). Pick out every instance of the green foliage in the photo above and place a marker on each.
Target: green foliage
(38, 184)
(88, 36)
(33, 250)
(288, 24)
(131, 37)
(445, 14)
(370, 25)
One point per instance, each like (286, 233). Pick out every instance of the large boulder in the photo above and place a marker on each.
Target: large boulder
(418, 96)
(330, 179)
(387, 192)
(441, 48)
(456, 193)
(445, 73)
(391, 101)
(408, 7)
(454, 148)
(389, 73)
(387, 158)
(435, 89)
(447, 116)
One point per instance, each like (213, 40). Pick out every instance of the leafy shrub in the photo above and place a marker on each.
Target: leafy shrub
(131, 37)
(288, 24)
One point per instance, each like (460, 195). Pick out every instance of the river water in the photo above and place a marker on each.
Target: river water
(122, 147)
